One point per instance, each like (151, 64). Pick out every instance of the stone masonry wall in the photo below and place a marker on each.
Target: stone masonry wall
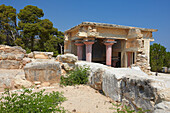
(11, 57)
(131, 86)
(142, 62)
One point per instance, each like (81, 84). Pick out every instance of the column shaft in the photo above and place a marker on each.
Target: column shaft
(108, 54)
(89, 51)
(109, 42)
(79, 50)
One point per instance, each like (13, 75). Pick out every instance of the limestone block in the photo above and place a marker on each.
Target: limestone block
(138, 60)
(164, 94)
(19, 57)
(45, 84)
(9, 64)
(13, 79)
(139, 55)
(1, 57)
(14, 49)
(26, 60)
(68, 66)
(31, 55)
(111, 85)
(4, 56)
(138, 91)
(67, 58)
(162, 107)
(143, 56)
(19, 83)
(11, 56)
(42, 55)
(6, 83)
(134, 86)
(133, 33)
(97, 79)
(43, 71)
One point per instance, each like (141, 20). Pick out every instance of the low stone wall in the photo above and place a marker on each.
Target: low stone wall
(131, 86)
(49, 70)
(13, 79)
(43, 71)
(42, 55)
(11, 57)
(8, 49)
(16, 58)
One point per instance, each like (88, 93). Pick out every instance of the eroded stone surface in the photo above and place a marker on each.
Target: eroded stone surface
(43, 71)
(11, 57)
(9, 64)
(41, 55)
(13, 79)
(67, 58)
(8, 49)
(131, 85)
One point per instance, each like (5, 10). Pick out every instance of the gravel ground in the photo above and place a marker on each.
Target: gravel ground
(84, 99)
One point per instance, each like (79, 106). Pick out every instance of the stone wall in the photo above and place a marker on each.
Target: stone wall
(131, 86)
(43, 71)
(42, 55)
(16, 58)
(11, 57)
(13, 79)
(49, 70)
(142, 62)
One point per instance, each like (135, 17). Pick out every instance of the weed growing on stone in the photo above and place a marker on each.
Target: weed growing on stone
(78, 76)
(31, 102)
(126, 109)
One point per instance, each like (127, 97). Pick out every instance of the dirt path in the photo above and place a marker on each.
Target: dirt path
(84, 99)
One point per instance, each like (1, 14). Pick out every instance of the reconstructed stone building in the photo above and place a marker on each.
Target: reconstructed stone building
(110, 44)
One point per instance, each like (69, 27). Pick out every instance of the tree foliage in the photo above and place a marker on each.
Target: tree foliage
(32, 32)
(157, 57)
(8, 32)
(167, 60)
(29, 18)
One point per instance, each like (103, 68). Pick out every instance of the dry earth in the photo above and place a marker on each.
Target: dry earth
(83, 99)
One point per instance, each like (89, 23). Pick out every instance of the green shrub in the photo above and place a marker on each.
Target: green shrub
(31, 102)
(77, 76)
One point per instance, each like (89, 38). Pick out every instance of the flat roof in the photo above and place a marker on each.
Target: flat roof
(108, 26)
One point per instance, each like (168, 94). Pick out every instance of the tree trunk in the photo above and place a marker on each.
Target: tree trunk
(61, 48)
(7, 39)
(32, 43)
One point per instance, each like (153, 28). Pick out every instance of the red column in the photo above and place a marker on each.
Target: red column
(88, 50)
(129, 58)
(108, 53)
(79, 50)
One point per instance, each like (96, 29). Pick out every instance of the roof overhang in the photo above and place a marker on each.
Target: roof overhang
(108, 26)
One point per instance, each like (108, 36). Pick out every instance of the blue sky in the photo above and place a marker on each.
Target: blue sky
(139, 13)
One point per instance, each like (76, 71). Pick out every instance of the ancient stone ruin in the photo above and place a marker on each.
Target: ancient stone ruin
(11, 57)
(131, 86)
(19, 69)
(110, 44)
(113, 45)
